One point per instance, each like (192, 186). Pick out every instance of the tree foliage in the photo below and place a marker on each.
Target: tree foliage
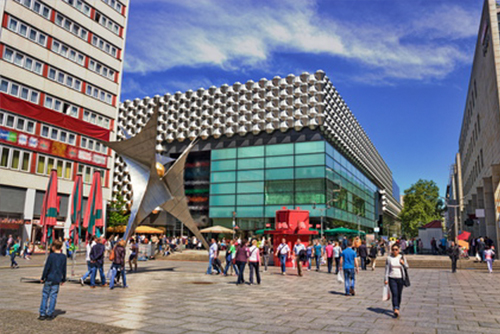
(421, 206)
(118, 212)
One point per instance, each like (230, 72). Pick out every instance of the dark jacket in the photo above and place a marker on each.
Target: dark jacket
(55, 269)
(363, 251)
(242, 253)
(119, 256)
(454, 252)
(373, 251)
(97, 254)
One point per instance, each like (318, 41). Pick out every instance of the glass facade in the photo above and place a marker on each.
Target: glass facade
(256, 181)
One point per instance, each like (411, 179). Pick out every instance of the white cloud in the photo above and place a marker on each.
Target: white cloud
(235, 34)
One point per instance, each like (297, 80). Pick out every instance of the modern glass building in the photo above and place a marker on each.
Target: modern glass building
(287, 142)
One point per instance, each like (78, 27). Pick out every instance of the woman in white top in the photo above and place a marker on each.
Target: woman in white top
(253, 261)
(394, 276)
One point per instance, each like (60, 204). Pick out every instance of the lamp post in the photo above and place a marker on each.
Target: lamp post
(322, 210)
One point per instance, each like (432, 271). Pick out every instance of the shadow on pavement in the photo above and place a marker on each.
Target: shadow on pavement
(381, 311)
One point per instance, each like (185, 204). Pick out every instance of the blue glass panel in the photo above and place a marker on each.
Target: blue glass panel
(251, 175)
(222, 188)
(250, 211)
(310, 159)
(227, 153)
(310, 147)
(279, 174)
(309, 172)
(250, 187)
(247, 199)
(223, 165)
(330, 162)
(330, 150)
(221, 212)
(222, 200)
(280, 149)
(270, 211)
(284, 161)
(251, 152)
(252, 163)
(223, 177)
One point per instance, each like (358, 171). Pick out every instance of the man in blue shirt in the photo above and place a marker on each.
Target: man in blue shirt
(212, 255)
(349, 263)
(318, 252)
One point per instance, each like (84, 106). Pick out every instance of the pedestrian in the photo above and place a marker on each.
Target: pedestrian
(488, 257)
(10, 243)
(337, 251)
(134, 254)
(394, 276)
(318, 253)
(254, 261)
(309, 254)
(13, 252)
(350, 266)
(118, 264)
(54, 275)
(329, 256)
(266, 250)
(3, 245)
(230, 254)
(283, 252)
(241, 260)
(481, 246)
(363, 254)
(454, 254)
(373, 254)
(299, 250)
(97, 262)
(212, 255)
(434, 246)
(90, 244)
(382, 247)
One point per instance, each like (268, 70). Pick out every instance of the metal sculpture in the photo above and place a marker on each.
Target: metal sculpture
(153, 186)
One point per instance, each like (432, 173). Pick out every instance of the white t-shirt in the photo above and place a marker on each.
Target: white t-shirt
(336, 251)
(283, 249)
(89, 248)
(254, 254)
(393, 268)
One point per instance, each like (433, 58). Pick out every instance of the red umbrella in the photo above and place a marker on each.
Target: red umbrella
(50, 208)
(76, 209)
(464, 236)
(93, 213)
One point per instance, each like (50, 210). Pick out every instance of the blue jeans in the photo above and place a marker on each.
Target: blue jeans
(229, 263)
(349, 279)
(318, 261)
(241, 271)
(309, 260)
(209, 269)
(363, 263)
(89, 271)
(396, 286)
(114, 270)
(49, 292)
(93, 274)
(283, 262)
(13, 260)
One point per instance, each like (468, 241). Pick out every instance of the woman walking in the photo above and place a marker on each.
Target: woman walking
(241, 260)
(118, 264)
(394, 276)
(488, 256)
(253, 261)
(266, 250)
(373, 254)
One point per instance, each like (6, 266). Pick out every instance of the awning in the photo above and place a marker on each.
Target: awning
(217, 229)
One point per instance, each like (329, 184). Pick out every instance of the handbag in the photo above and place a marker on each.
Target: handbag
(386, 294)
(406, 277)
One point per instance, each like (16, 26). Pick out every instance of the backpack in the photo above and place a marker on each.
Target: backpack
(302, 256)
(112, 254)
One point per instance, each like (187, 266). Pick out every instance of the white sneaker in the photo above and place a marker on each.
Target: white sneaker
(82, 281)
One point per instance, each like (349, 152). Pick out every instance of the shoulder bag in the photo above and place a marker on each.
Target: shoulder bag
(406, 278)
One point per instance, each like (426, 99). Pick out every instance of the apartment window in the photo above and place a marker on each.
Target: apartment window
(67, 52)
(36, 7)
(45, 164)
(57, 134)
(104, 46)
(101, 69)
(79, 5)
(60, 106)
(12, 158)
(116, 5)
(88, 171)
(71, 26)
(17, 90)
(27, 31)
(93, 118)
(99, 94)
(64, 79)
(107, 23)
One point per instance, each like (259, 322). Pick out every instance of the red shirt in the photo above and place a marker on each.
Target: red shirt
(329, 250)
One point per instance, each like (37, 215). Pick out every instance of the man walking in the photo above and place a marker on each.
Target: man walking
(212, 254)
(350, 266)
(318, 252)
(299, 257)
(363, 254)
(97, 262)
(454, 254)
(283, 252)
(329, 256)
(54, 275)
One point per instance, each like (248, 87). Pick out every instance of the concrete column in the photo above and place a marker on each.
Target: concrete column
(489, 210)
(29, 209)
(480, 205)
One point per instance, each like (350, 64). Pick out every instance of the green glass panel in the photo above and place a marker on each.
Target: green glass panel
(280, 149)
(279, 186)
(279, 198)
(222, 200)
(251, 175)
(310, 147)
(310, 159)
(250, 211)
(309, 197)
(250, 187)
(223, 177)
(284, 161)
(227, 153)
(223, 165)
(223, 188)
(279, 174)
(309, 172)
(252, 163)
(257, 199)
(221, 212)
(270, 211)
(251, 152)
(314, 185)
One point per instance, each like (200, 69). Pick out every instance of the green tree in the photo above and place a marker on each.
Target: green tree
(118, 212)
(421, 206)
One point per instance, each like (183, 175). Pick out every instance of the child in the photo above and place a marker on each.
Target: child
(54, 273)
(488, 255)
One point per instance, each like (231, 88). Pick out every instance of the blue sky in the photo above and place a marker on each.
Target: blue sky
(403, 66)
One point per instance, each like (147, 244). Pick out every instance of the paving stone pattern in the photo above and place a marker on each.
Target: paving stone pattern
(177, 297)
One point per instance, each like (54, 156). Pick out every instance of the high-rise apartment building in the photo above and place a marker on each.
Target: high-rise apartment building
(478, 159)
(61, 66)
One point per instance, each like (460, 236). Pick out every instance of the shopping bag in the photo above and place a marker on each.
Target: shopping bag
(108, 275)
(340, 279)
(478, 258)
(386, 294)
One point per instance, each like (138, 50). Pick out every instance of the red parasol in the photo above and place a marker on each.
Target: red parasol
(93, 213)
(464, 236)
(50, 207)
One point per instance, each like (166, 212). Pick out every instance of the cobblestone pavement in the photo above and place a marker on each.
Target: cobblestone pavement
(176, 297)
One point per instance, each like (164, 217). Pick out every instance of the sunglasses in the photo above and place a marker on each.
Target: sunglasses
(395, 249)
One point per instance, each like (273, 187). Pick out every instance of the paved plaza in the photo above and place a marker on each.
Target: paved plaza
(177, 297)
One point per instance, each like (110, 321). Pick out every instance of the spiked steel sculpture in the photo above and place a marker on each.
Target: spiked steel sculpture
(151, 187)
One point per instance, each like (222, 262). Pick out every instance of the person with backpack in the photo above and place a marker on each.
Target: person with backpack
(13, 252)
(97, 262)
(299, 250)
(117, 258)
(284, 252)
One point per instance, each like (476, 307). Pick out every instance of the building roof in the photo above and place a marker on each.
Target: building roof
(434, 224)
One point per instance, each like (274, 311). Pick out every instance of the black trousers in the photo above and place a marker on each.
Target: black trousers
(396, 286)
(254, 267)
(337, 263)
(454, 264)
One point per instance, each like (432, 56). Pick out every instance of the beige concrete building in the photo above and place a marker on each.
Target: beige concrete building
(60, 74)
(478, 159)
